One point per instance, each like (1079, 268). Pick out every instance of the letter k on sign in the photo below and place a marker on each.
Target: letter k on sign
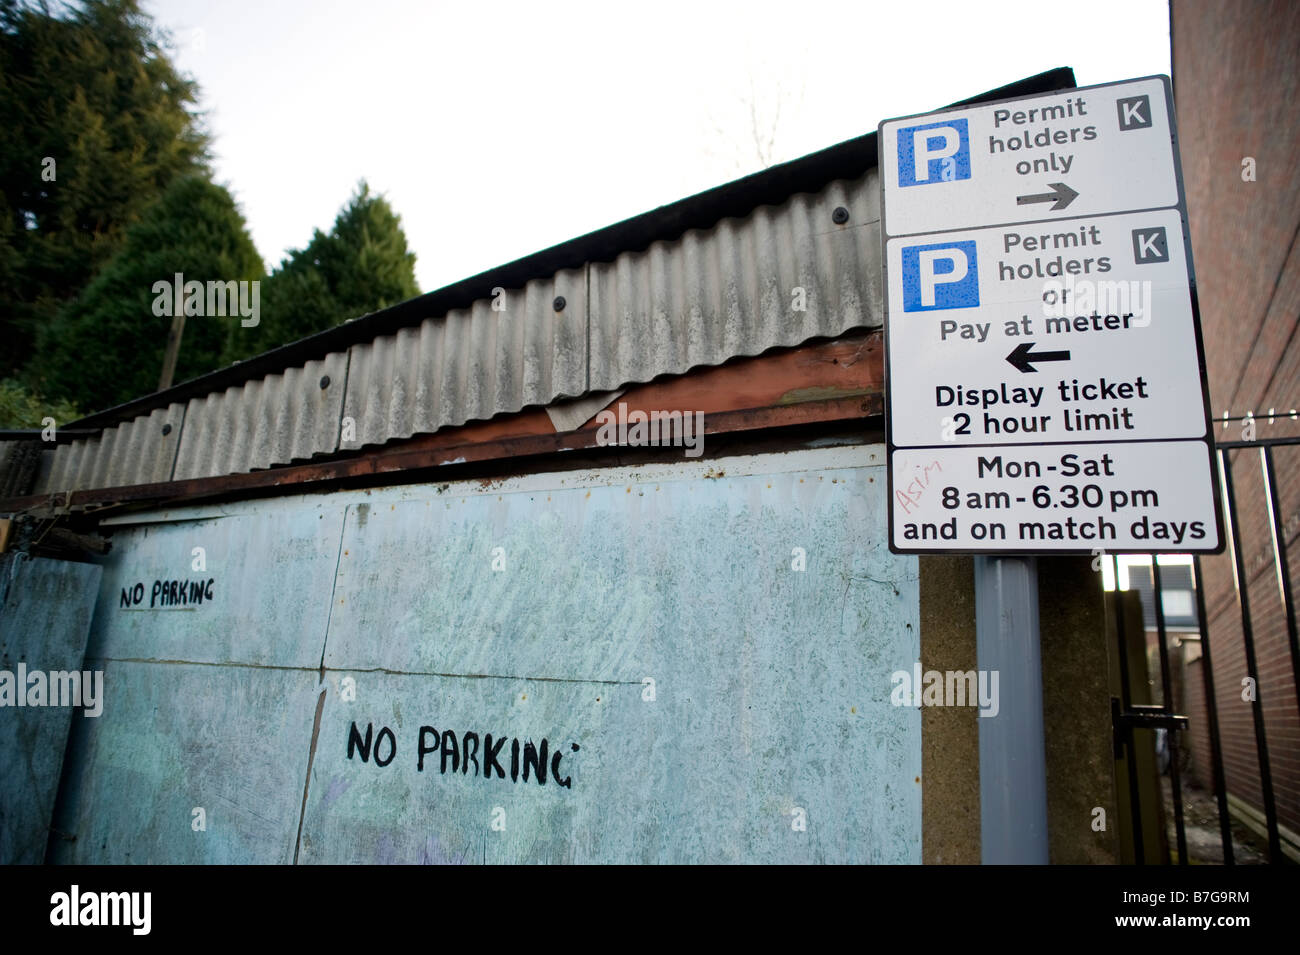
(1150, 245)
(1134, 112)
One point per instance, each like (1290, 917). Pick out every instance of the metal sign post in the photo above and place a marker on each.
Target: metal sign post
(1013, 767)
(1045, 375)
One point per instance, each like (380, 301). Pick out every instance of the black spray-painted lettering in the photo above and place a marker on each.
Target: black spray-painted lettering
(490, 757)
(460, 752)
(449, 748)
(466, 756)
(168, 593)
(355, 741)
(392, 746)
(531, 759)
(423, 749)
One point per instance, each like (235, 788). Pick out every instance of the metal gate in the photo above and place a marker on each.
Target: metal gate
(1132, 716)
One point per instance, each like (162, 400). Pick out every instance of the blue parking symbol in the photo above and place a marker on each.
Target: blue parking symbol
(935, 152)
(943, 275)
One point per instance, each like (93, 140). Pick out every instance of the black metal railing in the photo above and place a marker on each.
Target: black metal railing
(1129, 717)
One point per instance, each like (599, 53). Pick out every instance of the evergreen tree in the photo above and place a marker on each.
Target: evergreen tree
(96, 122)
(107, 346)
(361, 266)
(21, 408)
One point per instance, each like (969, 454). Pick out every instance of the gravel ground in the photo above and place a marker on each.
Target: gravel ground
(1201, 824)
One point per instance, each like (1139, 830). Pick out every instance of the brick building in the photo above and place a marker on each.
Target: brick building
(1236, 72)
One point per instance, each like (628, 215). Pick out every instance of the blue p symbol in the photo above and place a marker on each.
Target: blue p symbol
(944, 275)
(935, 152)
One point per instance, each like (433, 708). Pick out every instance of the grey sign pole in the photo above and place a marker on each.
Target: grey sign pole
(1013, 769)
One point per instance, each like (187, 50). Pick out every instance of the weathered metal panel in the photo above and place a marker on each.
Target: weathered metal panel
(730, 290)
(232, 741)
(265, 577)
(45, 610)
(274, 420)
(571, 415)
(472, 364)
(771, 686)
(208, 703)
(134, 452)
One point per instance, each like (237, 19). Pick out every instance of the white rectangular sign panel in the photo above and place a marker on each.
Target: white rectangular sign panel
(1138, 497)
(1061, 333)
(1110, 147)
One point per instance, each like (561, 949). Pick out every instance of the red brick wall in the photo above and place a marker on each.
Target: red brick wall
(1236, 72)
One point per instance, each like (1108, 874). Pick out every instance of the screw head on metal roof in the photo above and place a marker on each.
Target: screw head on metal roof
(840, 215)
(324, 382)
(559, 303)
(167, 429)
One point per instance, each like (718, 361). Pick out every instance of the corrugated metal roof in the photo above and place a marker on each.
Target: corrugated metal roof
(472, 363)
(780, 276)
(691, 284)
(136, 452)
(707, 297)
(274, 420)
(20, 461)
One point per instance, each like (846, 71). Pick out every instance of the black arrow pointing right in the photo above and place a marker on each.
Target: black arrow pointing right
(1021, 357)
(1061, 194)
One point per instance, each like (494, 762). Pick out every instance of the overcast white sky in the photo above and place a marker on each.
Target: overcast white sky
(498, 129)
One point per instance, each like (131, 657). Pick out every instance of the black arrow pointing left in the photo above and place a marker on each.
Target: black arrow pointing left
(1022, 356)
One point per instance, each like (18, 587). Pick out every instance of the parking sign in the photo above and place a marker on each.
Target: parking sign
(1045, 376)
